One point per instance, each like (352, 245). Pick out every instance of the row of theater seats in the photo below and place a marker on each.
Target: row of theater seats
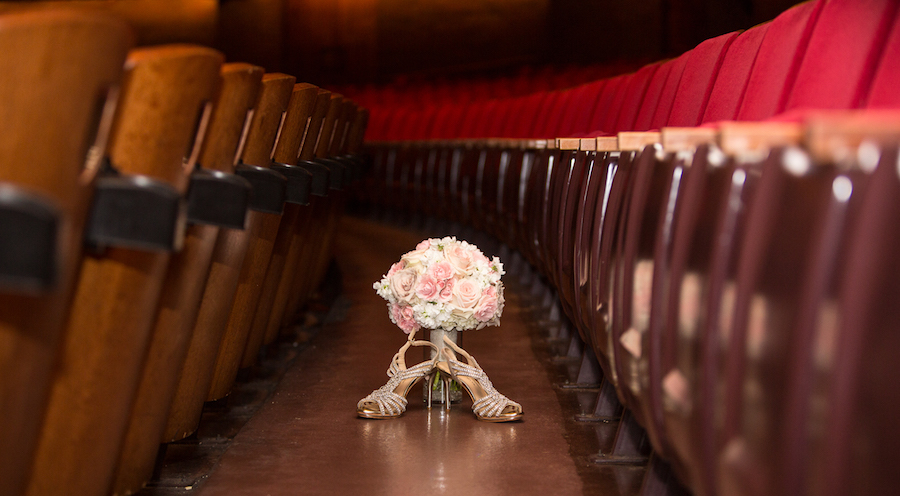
(528, 80)
(134, 283)
(719, 230)
(786, 65)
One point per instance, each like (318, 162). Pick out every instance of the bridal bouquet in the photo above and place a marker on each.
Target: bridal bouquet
(443, 283)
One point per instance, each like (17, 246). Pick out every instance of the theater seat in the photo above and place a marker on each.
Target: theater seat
(183, 287)
(55, 73)
(164, 96)
(236, 252)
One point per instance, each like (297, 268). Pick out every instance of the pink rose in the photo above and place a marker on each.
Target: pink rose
(466, 294)
(442, 271)
(417, 256)
(486, 308)
(446, 293)
(403, 317)
(460, 259)
(428, 288)
(403, 284)
(480, 258)
(396, 268)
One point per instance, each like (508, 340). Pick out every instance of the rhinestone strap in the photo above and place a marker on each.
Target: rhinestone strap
(388, 401)
(492, 404)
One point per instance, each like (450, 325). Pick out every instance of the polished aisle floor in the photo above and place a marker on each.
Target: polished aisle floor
(307, 438)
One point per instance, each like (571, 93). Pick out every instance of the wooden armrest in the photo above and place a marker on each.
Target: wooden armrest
(743, 138)
(607, 143)
(835, 136)
(676, 139)
(568, 143)
(637, 140)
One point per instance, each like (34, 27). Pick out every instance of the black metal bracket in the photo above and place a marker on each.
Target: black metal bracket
(320, 176)
(135, 211)
(218, 198)
(28, 232)
(355, 167)
(299, 182)
(338, 173)
(269, 188)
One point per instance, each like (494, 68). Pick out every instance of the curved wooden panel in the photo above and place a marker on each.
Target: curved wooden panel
(54, 74)
(235, 253)
(164, 91)
(183, 287)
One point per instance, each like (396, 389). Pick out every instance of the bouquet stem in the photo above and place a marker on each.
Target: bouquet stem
(436, 336)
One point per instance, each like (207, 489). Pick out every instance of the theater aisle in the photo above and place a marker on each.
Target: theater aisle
(307, 438)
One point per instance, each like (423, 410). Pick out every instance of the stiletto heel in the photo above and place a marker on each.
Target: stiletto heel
(389, 401)
(428, 380)
(447, 379)
(487, 403)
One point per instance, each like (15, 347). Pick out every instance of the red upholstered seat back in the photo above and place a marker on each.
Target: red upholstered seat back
(842, 55)
(442, 118)
(667, 96)
(618, 100)
(554, 124)
(577, 118)
(377, 125)
(883, 92)
(634, 96)
(506, 107)
(644, 118)
(487, 126)
(601, 110)
(728, 91)
(520, 125)
(539, 127)
(416, 127)
(777, 62)
(396, 123)
(697, 81)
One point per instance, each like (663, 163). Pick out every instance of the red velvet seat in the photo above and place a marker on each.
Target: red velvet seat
(643, 119)
(576, 120)
(842, 55)
(883, 92)
(632, 99)
(777, 62)
(601, 111)
(731, 80)
(696, 84)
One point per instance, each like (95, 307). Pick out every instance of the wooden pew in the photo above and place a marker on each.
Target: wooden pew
(56, 69)
(185, 280)
(164, 96)
(236, 257)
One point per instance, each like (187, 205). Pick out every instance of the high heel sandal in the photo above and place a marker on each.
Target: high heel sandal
(389, 401)
(487, 403)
